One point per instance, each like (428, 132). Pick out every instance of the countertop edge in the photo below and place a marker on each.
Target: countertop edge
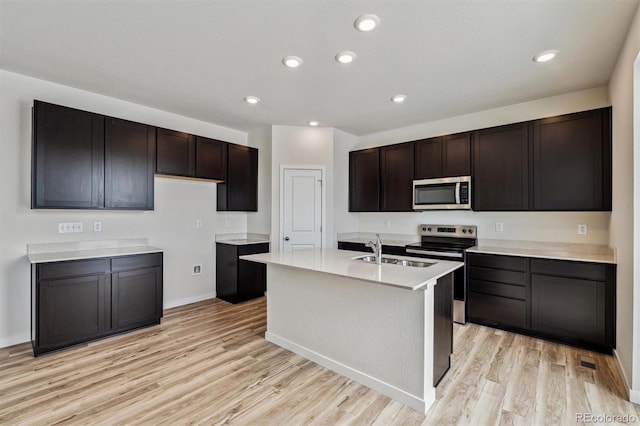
(37, 258)
(522, 252)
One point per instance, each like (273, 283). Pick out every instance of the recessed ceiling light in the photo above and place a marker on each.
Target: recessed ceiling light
(367, 22)
(545, 56)
(313, 123)
(292, 61)
(251, 99)
(398, 99)
(346, 57)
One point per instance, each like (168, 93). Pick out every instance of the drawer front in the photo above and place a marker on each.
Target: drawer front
(498, 289)
(72, 268)
(497, 275)
(563, 268)
(343, 245)
(497, 310)
(511, 263)
(253, 249)
(136, 261)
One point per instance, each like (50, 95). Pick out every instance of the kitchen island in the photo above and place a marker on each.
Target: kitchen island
(386, 326)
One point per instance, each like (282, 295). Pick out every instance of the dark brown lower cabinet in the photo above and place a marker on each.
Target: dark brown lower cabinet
(442, 327)
(83, 300)
(239, 280)
(567, 301)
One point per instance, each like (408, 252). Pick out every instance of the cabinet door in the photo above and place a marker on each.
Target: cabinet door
(396, 172)
(175, 153)
(240, 191)
(136, 297)
(364, 180)
(568, 157)
(456, 155)
(501, 168)
(211, 158)
(428, 158)
(227, 272)
(68, 158)
(129, 165)
(70, 310)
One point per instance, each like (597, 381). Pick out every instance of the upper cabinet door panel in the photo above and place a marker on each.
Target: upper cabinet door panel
(364, 180)
(211, 158)
(396, 171)
(68, 158)
(240, 190)
(175, 153)
(428, 158)
(500, 168)
(129, 165)
(456, 155)
(568, 153)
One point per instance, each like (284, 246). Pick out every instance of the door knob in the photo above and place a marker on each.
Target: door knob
(286, 238)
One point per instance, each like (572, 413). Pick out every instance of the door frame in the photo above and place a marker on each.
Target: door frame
(323, 201)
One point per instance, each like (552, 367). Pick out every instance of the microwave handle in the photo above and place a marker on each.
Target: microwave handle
(458, 193)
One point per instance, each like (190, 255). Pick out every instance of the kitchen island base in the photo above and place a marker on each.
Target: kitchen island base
(384, 337)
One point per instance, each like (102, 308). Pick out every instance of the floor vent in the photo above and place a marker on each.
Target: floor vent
(588, 362)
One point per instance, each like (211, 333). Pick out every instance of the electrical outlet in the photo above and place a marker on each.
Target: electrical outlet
(197, 269)
(227, 223)
(64, 228)
(198, 224)
(387, 223)
(97, 226)
(499, 226)
(582, 229)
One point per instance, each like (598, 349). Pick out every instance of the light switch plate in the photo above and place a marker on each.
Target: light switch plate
(582, 229)
(499, 226)
(97, 226)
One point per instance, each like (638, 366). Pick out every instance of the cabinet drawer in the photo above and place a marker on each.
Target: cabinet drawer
(498, 289)
(497, 275)
(511, 263)
(136, 261)
(72, 268)
(497, 310)
(563, 268)
(253, 249)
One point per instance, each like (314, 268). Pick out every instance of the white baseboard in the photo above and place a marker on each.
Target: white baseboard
(633, 396)
(16, 339)
(187, 300)
(421, 405)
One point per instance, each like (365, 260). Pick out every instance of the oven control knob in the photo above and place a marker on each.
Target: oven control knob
(424, 228)
(464, 231)
(429, 229)
(471, 231)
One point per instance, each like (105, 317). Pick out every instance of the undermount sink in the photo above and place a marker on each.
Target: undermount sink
(394, 261)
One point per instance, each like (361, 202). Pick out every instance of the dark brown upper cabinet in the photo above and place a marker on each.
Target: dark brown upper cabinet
(572, 162)
(239, 192)
(176, 153)
(211, 159)
(396, 172)
(364, 180)
(68, 158)
(501, 168)
(443, 156)
(130, 150)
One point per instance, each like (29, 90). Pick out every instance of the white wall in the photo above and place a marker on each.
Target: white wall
(260, 222)
(307, 146)
(621, 89)
(171, 226)
(344, 221)
(539, 226)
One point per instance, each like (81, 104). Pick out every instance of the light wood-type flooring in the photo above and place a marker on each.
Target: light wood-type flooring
(208, 363)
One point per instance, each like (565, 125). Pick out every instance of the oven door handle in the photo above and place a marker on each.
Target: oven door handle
(435, 253)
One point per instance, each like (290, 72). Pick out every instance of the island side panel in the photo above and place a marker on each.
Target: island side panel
(372, 333)
(442, 327)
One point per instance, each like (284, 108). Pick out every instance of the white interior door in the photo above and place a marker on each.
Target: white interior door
(301, 209)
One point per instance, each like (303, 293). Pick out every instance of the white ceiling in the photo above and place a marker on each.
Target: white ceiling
(200, 58)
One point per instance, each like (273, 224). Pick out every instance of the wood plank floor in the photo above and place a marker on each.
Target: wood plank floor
(208, 363)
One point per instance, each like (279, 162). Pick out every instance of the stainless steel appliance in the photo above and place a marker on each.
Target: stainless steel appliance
(442, 194)
(448, 242)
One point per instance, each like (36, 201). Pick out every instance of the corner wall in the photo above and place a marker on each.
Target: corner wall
(178, 204)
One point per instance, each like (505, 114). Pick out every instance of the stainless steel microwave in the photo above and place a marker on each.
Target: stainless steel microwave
(452, 193)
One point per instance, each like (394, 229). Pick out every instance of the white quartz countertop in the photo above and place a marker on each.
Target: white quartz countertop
(398, 240)
(342, 263)
(242, 239)
(60, 252)
(559, 251)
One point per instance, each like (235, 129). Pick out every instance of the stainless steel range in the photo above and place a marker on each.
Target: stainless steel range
(448, 242)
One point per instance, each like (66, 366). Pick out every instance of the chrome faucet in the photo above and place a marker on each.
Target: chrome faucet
(377, 249)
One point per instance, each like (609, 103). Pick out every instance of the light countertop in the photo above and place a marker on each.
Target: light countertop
(398, 240)
(242, 239)
(61, 252)
(547, 250)
(342, 263)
